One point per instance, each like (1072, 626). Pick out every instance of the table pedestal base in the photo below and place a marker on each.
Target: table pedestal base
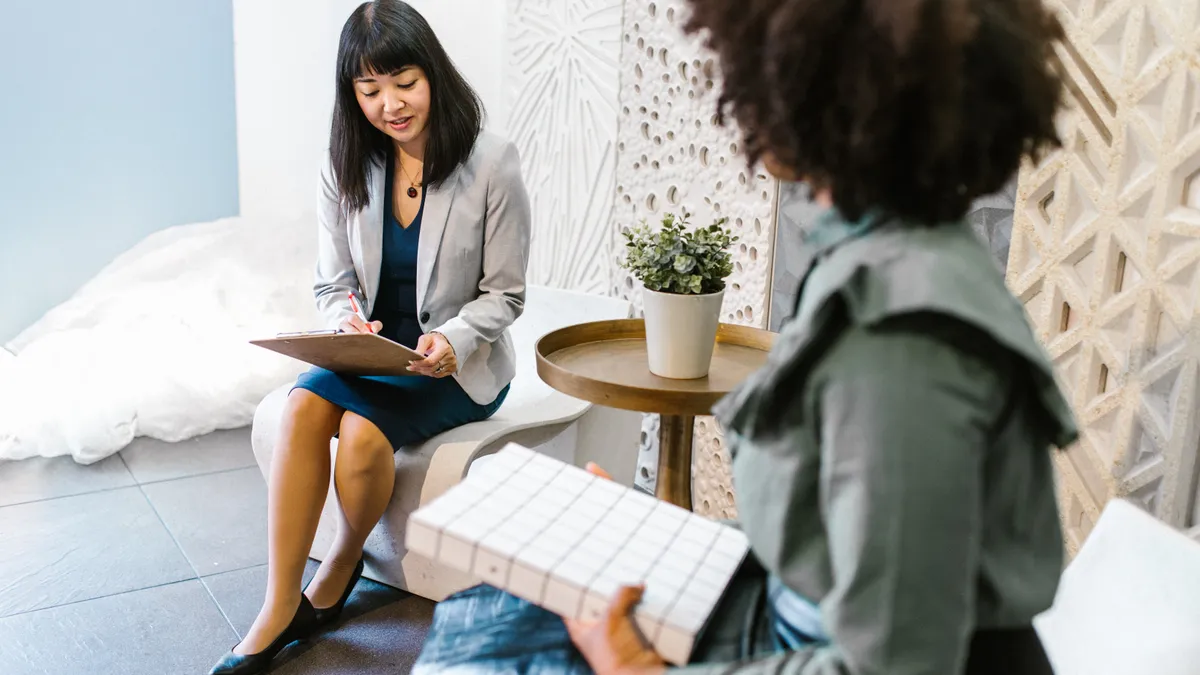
(674, 483)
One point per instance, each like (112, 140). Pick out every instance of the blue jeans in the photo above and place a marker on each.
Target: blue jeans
(485, 630)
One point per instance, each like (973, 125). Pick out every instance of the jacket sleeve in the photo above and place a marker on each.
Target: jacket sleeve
(506, 236)
(903, 421)
(336, 277)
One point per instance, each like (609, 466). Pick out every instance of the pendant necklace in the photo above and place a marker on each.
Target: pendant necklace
(412, 184)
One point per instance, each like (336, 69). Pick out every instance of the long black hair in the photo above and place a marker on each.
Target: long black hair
(385, 36)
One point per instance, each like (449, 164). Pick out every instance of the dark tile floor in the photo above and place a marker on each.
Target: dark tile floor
(153, 562)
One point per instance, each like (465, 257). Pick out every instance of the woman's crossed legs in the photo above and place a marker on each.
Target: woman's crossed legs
(363, 478)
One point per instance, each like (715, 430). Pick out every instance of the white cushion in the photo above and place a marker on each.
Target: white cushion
(548, 309)
(1129, 604)
(157, 343)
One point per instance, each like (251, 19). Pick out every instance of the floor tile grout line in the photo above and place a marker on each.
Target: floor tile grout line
(68, 496)
(179, 547)
(192, 565)
(131, 485)
(201, 579)
(124, 465)
(199, 475)
(121, 456)
(174, 539)
(231, 571)
(99, 597)
(220, 609)
(196, 576)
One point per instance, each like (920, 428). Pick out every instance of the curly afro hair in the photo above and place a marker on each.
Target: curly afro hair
(912, 107)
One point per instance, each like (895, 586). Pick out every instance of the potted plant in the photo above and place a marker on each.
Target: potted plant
(683, 272)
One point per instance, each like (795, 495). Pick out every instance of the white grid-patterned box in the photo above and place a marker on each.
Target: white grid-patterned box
(566, 540)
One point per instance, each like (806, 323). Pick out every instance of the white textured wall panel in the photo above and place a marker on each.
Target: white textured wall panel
(562, 86)
(671, 155)
(1106, 257)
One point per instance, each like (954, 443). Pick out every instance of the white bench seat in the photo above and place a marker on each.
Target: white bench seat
(1129, 603)
(533, 414)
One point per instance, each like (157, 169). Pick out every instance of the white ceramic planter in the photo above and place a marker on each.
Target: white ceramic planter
(681, 331)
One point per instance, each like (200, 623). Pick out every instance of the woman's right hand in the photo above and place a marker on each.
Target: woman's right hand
(357, 325)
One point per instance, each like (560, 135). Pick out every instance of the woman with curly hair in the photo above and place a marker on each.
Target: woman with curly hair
(892, 463)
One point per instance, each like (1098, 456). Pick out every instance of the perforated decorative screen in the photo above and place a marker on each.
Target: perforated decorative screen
(672, 155)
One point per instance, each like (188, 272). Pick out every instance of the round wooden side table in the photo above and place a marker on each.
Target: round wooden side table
(604, 362)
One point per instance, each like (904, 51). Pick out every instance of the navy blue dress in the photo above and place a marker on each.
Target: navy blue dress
(407, 409)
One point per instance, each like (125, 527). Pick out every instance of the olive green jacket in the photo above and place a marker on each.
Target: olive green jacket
(892, 462)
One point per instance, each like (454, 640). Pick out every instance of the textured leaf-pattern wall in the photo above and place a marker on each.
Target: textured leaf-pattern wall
(562, 87)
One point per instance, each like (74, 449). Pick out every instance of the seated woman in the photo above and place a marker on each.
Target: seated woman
(892, 463)
(424, 225)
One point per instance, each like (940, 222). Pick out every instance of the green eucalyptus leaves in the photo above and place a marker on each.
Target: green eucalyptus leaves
(676, 259)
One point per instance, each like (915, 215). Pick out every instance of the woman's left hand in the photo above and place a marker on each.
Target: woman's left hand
(613, 645)
(439, 361)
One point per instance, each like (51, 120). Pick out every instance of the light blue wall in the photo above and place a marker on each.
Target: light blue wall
(116, 120)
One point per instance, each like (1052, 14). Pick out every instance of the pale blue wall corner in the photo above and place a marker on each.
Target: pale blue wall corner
(116, 119)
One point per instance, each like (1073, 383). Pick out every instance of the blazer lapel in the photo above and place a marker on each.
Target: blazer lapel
(371, 237)
(433, 228)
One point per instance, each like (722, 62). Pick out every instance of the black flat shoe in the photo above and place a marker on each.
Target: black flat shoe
(301, 627)
(326, 616)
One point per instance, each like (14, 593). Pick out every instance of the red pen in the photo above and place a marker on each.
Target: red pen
(358, 311)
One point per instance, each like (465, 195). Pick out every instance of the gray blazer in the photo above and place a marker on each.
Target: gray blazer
(471, 260)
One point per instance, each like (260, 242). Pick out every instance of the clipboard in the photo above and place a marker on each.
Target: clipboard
(345, 353)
